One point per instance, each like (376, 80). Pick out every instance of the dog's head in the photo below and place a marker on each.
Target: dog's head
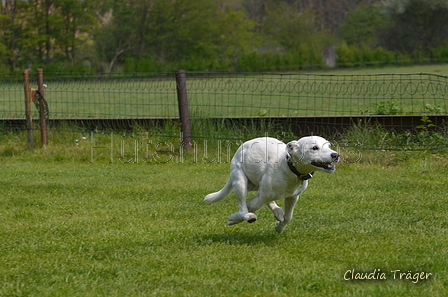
(312, 152)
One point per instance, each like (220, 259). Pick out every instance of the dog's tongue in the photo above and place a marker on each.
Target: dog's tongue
(323, 165)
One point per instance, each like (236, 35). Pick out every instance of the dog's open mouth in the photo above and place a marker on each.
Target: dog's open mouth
(325, 166)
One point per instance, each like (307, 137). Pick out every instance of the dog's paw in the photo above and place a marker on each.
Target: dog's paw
(234, 221)
(279, 228)
(239, 217)
(235, 218)
(278, 214)
(250, 217)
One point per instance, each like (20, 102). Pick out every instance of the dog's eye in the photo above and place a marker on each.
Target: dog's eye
(315, 148)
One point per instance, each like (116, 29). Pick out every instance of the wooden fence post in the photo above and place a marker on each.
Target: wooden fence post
(29, 120)
(184, 114)
(42, 109)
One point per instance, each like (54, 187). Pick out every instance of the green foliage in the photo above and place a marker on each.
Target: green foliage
(204, 35)
(346, 55)
(440, 54)
(65, 67)
(361, 24)
(428, 133)
(427, 123)
(35, 32)
(416, 26)
(355, 56)
(4, 68)
(193, 35)
(303, 57)
(141, 65)
(431, 109)
(288, 27)
(388, 107)
(297, 43)
(423, 137)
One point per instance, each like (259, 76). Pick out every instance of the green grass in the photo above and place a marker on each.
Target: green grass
(73, 228)
(323, 93)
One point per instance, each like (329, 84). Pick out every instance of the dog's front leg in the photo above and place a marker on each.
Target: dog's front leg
(290, 202)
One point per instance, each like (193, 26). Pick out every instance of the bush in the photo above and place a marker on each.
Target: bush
(346, 55)
(354, 56)
(4, 68)
(440, 54)
(140, 65)
(66, 67)
(387, 107)
(301, 57)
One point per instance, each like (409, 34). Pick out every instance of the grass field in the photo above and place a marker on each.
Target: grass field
(122, 215)
(323, 93)
(73, 228)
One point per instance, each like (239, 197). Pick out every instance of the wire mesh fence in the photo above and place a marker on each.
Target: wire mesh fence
(229, 105)
(73, 96)
(316, 95)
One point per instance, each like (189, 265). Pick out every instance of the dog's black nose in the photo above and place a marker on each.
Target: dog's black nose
(335, 156)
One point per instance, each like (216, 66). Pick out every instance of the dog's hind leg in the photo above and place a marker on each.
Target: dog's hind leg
(240, 186)
(277, 211)
(290, 202)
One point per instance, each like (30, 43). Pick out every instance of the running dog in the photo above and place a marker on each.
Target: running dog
(276, 171)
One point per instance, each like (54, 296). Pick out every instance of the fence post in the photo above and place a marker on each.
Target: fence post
(182, 99)
(42, 110)
(29, 120)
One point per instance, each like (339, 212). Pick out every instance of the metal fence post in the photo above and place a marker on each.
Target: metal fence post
(181, 86)
(42, 115)
(29, 120)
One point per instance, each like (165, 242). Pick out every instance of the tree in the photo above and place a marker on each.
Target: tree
(72, 20)
(37, 31)
(14, 39)
(119, 34)
(361, 25)
(172, 32)
(289, 27)
(295, 33)
(188, 29)
(416, 25)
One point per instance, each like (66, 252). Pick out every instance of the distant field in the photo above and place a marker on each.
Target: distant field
(341, 92)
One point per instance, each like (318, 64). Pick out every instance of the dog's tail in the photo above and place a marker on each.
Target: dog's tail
(221, 194)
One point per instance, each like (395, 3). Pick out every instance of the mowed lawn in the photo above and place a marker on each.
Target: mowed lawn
(114, 229)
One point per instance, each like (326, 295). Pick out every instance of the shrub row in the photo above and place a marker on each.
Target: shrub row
(353, 56)
(303, 57)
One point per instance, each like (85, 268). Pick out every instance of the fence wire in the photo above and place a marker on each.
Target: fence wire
(290, 95)
(229, 105)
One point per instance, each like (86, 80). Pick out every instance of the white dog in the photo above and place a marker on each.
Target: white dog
(276, 171)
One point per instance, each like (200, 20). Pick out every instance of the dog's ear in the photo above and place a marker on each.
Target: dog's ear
(290, 146)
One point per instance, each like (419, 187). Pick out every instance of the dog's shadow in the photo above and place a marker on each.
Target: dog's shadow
(239, 239)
